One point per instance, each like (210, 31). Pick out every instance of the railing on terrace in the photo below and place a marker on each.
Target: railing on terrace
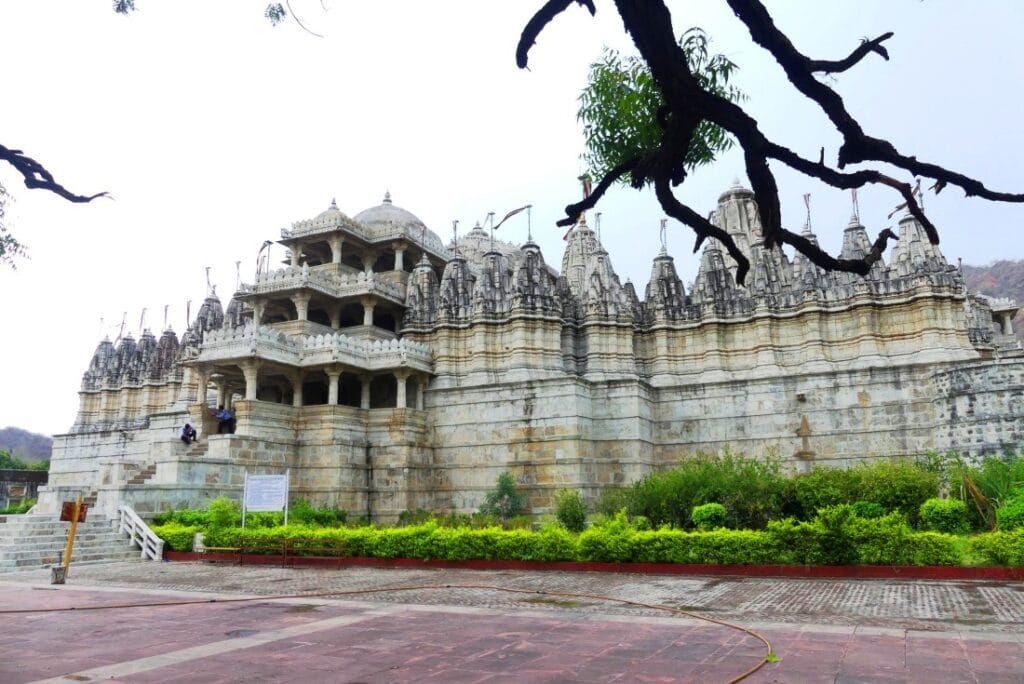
(139, 533)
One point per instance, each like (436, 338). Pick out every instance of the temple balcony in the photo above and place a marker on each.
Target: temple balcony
(329, 282)
(305, 351)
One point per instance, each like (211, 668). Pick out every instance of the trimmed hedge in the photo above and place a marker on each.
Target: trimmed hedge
(836, 536)
(176, 537)
(1001, 548)
(945, 515)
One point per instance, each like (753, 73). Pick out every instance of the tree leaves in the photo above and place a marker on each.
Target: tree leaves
(621, 108)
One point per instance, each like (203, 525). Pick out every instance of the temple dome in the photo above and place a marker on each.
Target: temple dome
(388, 220)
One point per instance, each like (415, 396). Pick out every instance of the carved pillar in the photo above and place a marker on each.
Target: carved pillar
(296, 379)
(202, 377)
(399, 256)
(222, 392)
(296, 253)
(301, 302)
(368, 258)
(1007, 323)
(400, 377)
(258, 307)
(335, 313)
(332, 386)
(368, 305)
(421, 381)
(250, 369)
(336, 242)
(364, 394)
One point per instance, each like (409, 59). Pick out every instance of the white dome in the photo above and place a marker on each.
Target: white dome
(387, 220)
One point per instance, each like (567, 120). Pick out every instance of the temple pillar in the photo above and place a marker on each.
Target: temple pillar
(296, 253)
(400, 377)
(368, 305)
(364, 391)
(335, 314)
(332, 386)
(422, 380)
(399, 256)
(368, 259)
(336, 243)
(258, 307)
(296, 379)
(1007, 322)
(202, 382)
(250, 369)
(301, 302)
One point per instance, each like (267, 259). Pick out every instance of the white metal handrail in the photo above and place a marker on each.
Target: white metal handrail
(139, 533)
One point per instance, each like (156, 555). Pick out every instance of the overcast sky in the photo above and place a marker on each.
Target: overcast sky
(212, 131)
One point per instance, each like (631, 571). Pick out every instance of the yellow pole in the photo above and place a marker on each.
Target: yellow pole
(71, 534)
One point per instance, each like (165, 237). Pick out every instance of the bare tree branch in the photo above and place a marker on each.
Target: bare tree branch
(38, 178)
(688, 103)
(550, 10)
(865, 48)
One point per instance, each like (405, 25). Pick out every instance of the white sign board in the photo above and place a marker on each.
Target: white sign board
(266, 492)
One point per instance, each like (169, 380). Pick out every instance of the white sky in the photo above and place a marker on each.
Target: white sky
(213, 130)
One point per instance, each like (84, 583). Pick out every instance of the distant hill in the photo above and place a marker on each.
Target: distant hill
(999, 279)
(28, 446)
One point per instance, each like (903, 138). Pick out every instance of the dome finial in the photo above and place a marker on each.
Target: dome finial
(334, 204)
(387, 197)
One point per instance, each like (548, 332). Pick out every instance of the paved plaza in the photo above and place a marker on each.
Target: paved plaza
(363, 624)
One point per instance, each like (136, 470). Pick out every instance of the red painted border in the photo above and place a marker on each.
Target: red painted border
(938, 572)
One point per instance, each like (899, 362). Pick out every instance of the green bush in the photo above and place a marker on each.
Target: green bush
(945, 515)
(224, 512)
(1010, 516)
(752, 491)
(20, 508)
(608, 540)
(301, 512)
(1001, 548)
(612, 500)
(176, 537)
(184, 517)
(570, 510)
(505, 501)
(898, 486)
(895, 485)
(417, 517)
(867, 509)
(824, 488)
(986, 487)
(708, 516)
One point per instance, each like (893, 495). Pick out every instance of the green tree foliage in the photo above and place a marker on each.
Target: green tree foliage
(619, 107)
(9, 462)
(10, 248)
(570, 510)
(752, 491)
(505, 501)
(895, 485)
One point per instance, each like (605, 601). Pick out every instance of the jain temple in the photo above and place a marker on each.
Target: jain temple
(391, 372)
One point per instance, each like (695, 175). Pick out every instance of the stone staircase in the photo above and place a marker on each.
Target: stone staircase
(143, 476)
(37, 541)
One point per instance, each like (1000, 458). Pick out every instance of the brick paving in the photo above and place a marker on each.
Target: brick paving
(821, 630)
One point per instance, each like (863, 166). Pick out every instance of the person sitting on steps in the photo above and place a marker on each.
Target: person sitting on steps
(188, 434)
(225, 421)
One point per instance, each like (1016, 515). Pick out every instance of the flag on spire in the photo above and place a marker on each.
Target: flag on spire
(511, 214)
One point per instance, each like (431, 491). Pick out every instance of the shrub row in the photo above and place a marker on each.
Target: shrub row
(753, 492)
(834, 537)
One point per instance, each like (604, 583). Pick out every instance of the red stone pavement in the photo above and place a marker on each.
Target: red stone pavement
(544, 640)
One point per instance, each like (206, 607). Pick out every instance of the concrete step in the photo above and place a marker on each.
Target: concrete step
(50, 541)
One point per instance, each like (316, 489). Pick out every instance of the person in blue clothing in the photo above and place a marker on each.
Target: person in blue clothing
(188, 434)
(225, 421)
